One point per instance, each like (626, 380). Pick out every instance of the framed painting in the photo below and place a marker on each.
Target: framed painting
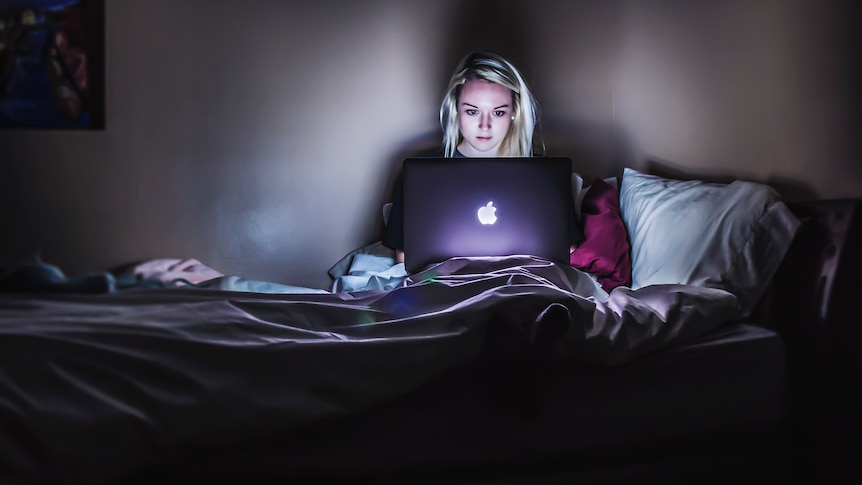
(52, 69)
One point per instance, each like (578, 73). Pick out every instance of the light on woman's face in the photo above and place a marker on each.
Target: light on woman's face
(484, 116)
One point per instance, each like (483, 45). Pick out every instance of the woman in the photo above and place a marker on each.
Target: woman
(487, 111)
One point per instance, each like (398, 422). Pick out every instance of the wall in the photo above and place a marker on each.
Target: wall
(256, 136)
(262, 136)
(761, 90)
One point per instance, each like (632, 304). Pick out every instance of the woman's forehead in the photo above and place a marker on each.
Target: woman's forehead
(481, 90)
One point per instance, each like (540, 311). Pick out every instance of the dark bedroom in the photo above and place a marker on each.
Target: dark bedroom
(196, 282)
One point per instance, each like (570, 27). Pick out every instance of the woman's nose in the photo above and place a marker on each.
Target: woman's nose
(485, 121)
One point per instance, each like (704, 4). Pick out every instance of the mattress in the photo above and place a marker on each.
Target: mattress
(99, 386)
(728, 381)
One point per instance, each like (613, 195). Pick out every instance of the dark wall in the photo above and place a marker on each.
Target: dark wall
(262, 136)
(752, 89)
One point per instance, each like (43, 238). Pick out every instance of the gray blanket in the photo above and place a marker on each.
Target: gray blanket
(94, 386)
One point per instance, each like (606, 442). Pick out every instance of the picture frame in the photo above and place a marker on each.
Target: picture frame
(52, 69)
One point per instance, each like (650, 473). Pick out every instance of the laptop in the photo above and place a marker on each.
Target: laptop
(472, 207)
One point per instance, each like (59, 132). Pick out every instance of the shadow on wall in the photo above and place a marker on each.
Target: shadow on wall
(791, 190)
(489, 25)
(23, 197)
(422, 145)
(849, 43)
(592, 147)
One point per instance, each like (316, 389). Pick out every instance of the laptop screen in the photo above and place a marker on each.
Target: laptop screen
(475, 207)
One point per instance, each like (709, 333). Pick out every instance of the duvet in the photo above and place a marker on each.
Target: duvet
(96, 386)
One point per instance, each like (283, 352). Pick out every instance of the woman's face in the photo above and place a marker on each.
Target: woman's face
(484, 116)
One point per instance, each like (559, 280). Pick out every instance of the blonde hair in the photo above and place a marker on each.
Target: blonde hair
(491, 66)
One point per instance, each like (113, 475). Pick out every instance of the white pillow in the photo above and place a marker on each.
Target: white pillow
(727, 236)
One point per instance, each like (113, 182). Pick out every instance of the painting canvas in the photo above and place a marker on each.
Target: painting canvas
(52, 64)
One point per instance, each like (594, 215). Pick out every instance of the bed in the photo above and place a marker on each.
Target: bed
(474, 370)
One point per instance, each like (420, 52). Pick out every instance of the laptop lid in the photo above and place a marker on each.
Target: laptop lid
(486, 207)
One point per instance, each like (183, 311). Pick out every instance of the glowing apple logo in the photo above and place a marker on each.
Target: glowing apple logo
(486, 213)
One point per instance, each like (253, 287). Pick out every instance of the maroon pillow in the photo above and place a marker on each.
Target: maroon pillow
(605, 252)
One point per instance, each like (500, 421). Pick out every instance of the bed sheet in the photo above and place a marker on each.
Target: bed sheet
(95, 386)
(731, 380)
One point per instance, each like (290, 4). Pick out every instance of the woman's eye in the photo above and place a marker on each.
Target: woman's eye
(499, 113)
(471, 112)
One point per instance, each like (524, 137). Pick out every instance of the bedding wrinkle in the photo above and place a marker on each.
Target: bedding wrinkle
(122, 407)
(151, 373)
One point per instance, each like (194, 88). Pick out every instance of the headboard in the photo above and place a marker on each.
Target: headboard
(813, 290)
